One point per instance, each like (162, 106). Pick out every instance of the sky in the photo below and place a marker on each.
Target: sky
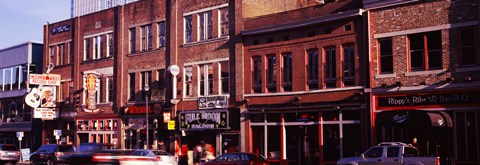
(23, 20)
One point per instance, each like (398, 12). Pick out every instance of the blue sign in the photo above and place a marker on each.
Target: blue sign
(25, 154)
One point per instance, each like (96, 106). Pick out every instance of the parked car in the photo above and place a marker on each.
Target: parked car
(239, 158)
(161, 157)
(394, 153)
(95, 153)
(50, 153)
(9, 153)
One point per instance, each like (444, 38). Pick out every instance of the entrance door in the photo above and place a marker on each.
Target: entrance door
(83, 137)
(302, 144)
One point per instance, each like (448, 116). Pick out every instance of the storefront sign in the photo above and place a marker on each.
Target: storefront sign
(61, 29)
(211, 102)
(200, 120)
(137, 110)
(171, 125)
(45, 113)
(45, 79)
(429, 99)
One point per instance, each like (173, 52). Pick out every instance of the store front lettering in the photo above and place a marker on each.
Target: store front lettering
(429, 99)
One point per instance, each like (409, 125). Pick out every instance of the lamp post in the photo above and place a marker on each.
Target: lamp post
(147, 88)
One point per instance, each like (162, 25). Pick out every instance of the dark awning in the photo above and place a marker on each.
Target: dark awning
(413, 118)
(13, 127)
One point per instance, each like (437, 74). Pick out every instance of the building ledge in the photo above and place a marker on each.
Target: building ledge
(304, 92)
(376, 4)
(467, 69)
(391, 75)
(429, 72)
(224, 38)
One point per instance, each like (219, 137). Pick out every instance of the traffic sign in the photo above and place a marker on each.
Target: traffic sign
(171, 125)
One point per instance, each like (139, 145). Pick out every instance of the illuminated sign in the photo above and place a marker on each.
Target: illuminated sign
(200, 120)
(45, 113)
(210, 102)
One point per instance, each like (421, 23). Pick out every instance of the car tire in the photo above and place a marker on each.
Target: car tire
(50, 162)
(32, 162)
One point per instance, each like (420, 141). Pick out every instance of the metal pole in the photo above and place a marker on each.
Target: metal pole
(146, 114)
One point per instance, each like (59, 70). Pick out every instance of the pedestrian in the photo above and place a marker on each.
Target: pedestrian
(415, 144)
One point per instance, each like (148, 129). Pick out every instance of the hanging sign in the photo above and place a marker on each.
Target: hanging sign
(199, 120)
(211, 102)
(45, 79)
(45, 113)
(91, 85)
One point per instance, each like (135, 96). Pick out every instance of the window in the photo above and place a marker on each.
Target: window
(223, 21)
(429, 57)
(257, 75)
(330, 68)
(99, 90)
(97, 50)
(393, 151)
(206, 79)
(131, 87)
(110, 89)
(86, 49)
(188, 29)
(468, 55)
(146, 79)
(146, 37)
(8, 79)
(70, 46)
(224, 73)
(1, 79)
(271, 73)
(386, 55)
(205, 25)
(161, 34)
(61, 54)
(287, 72)
(349, 66)
(132, 40)
(188, 81)
(110, 44)
(52, 55)
(375, 152)
(312, 69)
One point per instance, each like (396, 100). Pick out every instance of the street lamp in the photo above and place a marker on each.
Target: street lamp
(147, 88)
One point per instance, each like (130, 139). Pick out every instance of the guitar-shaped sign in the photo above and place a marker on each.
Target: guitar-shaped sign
(34, 97)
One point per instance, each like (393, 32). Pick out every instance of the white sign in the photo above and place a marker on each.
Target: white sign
(211, 102)
(174, 69)
(20, 134)
(57, 132)
(45, 113)
(45, 79)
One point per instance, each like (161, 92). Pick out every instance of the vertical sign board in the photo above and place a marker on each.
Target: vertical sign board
(57, 133)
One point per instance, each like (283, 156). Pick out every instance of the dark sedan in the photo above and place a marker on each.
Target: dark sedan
(239, 158)
(50, 153)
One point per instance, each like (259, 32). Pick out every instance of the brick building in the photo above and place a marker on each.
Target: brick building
(425, 75)
(304, 84)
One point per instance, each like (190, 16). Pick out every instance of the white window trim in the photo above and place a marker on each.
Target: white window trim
(107, 93)
(85, 49)
(205, 9)
(185, 82)
(107, 44)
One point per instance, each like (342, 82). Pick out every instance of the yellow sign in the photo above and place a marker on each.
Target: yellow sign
(171, 125)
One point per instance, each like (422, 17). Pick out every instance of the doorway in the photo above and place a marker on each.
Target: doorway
(302, 144)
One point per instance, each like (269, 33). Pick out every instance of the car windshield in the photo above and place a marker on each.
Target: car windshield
(9, 148)
(66, 148)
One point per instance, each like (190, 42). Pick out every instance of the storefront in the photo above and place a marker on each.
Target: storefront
(444, 123)
(306, 136)
(214, 130)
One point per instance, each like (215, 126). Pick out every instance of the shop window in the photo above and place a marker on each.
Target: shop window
(330, 68)
(273, 117)
(331, 141)
(146, 37)
(161, 34)
(330, 116)
(224, 77)
(386, 55)
(131, 87)
(188, 81)
(425, 51)
(287, 72)
(467, 44)
(132, 44)
(206, 79)
(223, 21)
(349, 66)
(257, 75)
(205, 25)
(273, 142)
(271, 73)
(146, 79)
(312, 69)
(188, 29)
(350, 115)
(351, 144)
(15, 78)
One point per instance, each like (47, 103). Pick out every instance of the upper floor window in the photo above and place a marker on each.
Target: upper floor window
(312, 69)
(13, 78)
(86, 49)
(110, 89)
(330, 68)
(271, 73)
(161, 34)
(131, 86)
(257, 74)
(468, 55)
(206, 79)
(205, 25)
(146, 37)
(51, 55)
(287, 72)
(132, 40)
(188, 29)
(223, 21)
(349, 66)
(386, 55)
(425, 51)
(146, 79)
(224, 77)
(188, 81)
(97, 49)
(110, 46)
(61, 54)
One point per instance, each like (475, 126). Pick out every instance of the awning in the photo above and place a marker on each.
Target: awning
(13, 127)
(413, 118)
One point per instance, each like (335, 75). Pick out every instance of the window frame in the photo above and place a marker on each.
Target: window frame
(349, 63)
(188, 29)
(287, 71)
(461, 47)
(312, 69)
(110, 43)
(161, 42)
(426, 51)
(382, 56)
(224, 78)
(188, 82)
(205, 26)
(222, 24)
(146, 37)
(256, 70)
(131, 86)
(271, 73)
(132, 42)
(330, 66)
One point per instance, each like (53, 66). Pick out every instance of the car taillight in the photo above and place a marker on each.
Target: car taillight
(437, 161)
(158, 158)
(18, 153)
(58, 154)
(101, 157)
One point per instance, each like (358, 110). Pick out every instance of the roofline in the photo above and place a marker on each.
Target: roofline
(21, 44)
(304, 23)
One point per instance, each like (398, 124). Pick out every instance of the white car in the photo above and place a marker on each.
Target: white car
(161, 157)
